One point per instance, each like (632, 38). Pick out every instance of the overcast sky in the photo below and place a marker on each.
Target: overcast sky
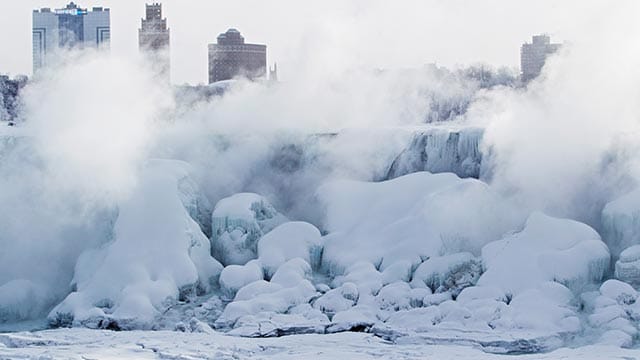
(328, 33)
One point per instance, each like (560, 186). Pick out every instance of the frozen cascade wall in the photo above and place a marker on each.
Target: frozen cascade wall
(441, 150)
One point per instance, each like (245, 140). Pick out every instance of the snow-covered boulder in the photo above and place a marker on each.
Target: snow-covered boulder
(628, 266)
(547, 249)
(410, 218)
(621, 222)
(338, 299)
(357, 318)
(398, 271)
(534, 320)
(234, 277)
(290, 287)
(365, 276)
(288, 241)
(158, 255)
(616, 312)
(237, 223)
(450, 273)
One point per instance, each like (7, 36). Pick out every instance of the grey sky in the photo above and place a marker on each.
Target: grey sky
(327, 35)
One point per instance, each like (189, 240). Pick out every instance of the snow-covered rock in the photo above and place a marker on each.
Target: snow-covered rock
(621, 222)
(357, 318)
(234, 277)
(289, 288)
(628, 266)
(288, 241)
(237, 223)
(158, 255)
(616, 311)
(547, 249)
(339, 299)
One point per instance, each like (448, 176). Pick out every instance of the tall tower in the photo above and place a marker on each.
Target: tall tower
(154, 40)
(533, 56)
(71, 27)
(232, 57)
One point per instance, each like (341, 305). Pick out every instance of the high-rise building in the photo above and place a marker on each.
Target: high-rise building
(67, 28)
(154, 39)
(231, 57)
(533, 56)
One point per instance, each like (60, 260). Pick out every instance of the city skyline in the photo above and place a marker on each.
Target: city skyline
(346, 31)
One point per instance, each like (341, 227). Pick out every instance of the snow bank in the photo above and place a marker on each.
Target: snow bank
(237, 223)
(158, 255)
(547, 249)
(621, 222)
(410, 218)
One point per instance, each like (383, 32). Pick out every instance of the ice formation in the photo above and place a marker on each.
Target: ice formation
(158, 255)
(621, 222)
(441, 150)
(423, 257)
(237, 224)
(627, 267)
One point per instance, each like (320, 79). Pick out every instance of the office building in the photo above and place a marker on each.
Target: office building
(534, 55)
(154, 39)
(231, 57)
(69, 28)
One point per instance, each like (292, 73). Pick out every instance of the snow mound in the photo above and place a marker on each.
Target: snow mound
(237, 223)
(621, 222)
(288, 241)
(628, 266)
(409, 219)
(547, 249)
(158, 255)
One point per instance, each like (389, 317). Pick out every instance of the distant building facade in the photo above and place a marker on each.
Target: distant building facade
(273, 73)
(154, 39)
(68, 28)
(533, 56)
(232, 57)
